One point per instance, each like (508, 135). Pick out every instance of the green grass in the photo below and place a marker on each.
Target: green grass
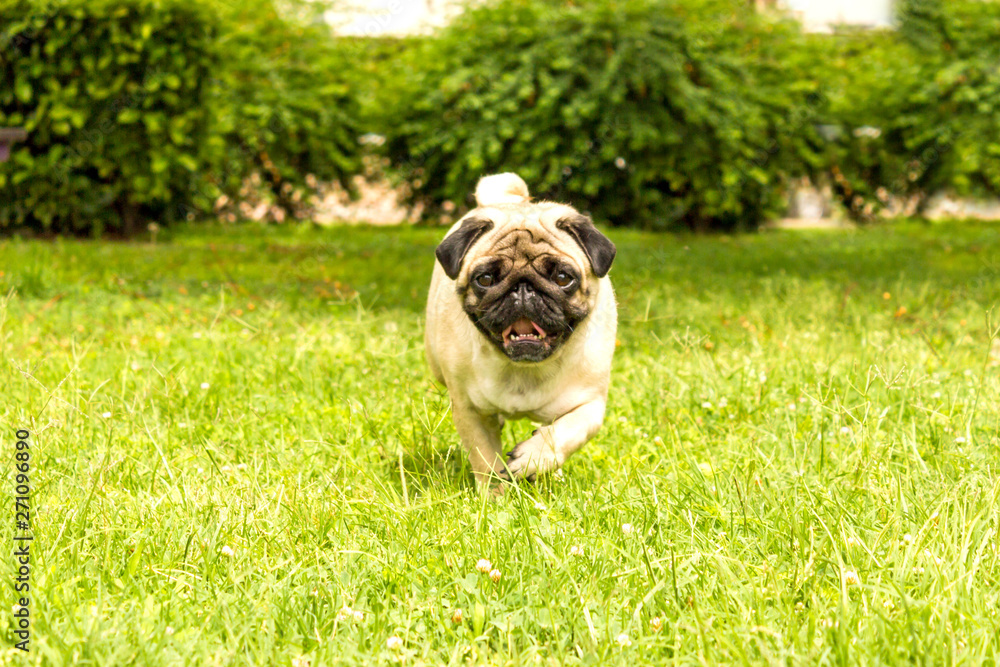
(235, 437)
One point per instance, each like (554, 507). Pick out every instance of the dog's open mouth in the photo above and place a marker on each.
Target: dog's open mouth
(524, 331)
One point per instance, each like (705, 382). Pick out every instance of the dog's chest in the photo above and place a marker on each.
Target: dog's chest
(517, 395)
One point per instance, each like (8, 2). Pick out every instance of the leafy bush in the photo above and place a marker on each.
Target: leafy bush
(917, 111)
(153, 109)
(112, 95)
(284, 104)
(646, 112)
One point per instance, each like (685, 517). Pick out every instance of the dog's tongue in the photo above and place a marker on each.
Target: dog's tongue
(525, 326)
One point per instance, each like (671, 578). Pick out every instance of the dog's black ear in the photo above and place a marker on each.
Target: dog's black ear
(598, 247)
(452, 250)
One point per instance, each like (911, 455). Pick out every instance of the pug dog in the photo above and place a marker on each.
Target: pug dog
(521, 323)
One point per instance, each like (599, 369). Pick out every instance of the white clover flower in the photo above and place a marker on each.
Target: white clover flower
(888, 605)
(495, 575)
(707, 405)
(576, 550)
(657, 440)
(106, 415)
(623, 640)
(908, 538)
(844, 430)
(937, 559)
(851, 578)
(484, 565)
(960, 440)
(656, 623)
(168, 631)
(228, 551)
(852, 541)
(359, 616)
(540, 507)
(457, 616)
(205, 385)
(394, 643)
(627, 528)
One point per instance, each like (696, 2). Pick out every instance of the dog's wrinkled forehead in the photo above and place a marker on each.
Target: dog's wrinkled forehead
(523, 234)
(520, 246)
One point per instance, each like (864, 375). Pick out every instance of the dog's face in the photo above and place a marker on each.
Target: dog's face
(525, 274)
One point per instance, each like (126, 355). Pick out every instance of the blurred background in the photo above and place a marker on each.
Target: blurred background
(655, 114)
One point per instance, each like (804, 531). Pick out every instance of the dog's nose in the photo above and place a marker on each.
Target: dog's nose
(524, 292)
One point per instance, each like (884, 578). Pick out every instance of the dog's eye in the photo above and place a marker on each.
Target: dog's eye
(485, 280)
(563, 279)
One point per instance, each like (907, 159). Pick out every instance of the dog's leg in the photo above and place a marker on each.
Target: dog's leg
(480, 435)
(549, 447)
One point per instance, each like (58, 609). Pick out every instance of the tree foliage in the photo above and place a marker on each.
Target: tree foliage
(646, 112)
(916, 111)
(152, 109)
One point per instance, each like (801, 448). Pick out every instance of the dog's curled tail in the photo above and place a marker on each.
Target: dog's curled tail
(506, 188)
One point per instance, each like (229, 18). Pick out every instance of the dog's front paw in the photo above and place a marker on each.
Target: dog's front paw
(533, 457)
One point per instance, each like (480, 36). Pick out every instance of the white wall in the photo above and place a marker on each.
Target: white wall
(391, 17)
(400, 17)
(820, 15)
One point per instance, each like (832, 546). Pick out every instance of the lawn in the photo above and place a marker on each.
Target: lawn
(239, 458)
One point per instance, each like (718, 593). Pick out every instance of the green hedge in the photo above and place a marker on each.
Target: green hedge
(646, 112)
(113, 97)
(651, 113)
(699, 112)
(913, 111)
(286, 106)
(151, 109)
